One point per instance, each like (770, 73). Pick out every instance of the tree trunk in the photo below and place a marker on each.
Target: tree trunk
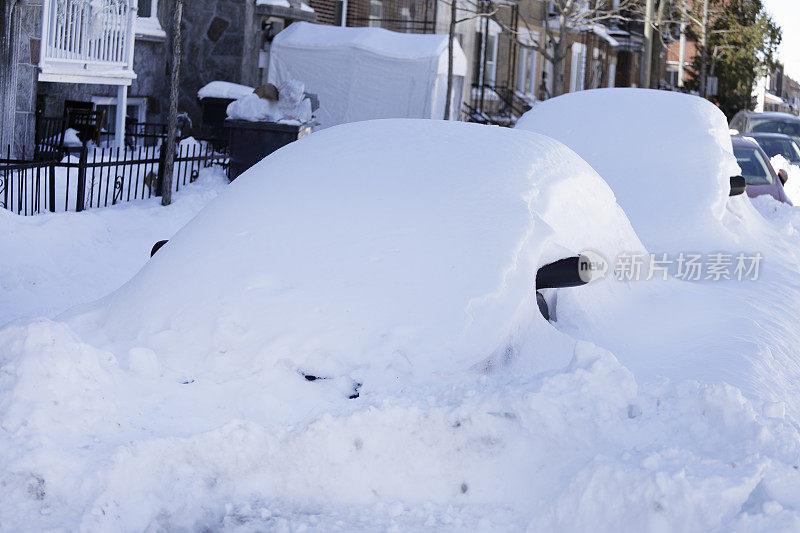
(451, 37)
(704, 51)
(559, 56)
(169, 160)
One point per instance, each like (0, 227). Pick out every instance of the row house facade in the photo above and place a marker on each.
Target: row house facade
(106, 54)
(110, 54)
(507, 74)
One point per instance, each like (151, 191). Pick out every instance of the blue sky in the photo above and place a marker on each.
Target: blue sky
(787, 14)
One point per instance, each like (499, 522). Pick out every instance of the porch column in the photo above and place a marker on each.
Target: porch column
(122, 112)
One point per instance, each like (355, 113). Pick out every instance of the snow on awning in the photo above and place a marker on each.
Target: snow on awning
(772, 99)
(602, 32)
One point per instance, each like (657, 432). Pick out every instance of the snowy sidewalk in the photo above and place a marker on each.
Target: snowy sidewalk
(53, 262)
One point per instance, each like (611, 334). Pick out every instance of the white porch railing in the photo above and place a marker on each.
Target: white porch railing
(88, 41)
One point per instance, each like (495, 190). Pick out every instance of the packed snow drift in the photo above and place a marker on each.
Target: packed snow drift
(348, 339)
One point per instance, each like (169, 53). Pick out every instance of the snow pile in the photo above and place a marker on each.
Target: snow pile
(367, 73)
(54, 261)
(225, 90)
(357, 347)
(292, 105)
(667, 156)
(792, 185)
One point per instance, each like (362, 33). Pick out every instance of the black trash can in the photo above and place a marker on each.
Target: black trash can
(250, 142)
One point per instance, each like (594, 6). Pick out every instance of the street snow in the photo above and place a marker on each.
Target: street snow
(394, 262)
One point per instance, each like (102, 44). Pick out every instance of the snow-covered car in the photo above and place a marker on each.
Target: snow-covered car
(667, 156)
(757, 170)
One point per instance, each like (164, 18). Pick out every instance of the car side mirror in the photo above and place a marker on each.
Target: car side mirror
(563, 273)
(156, 247)
(783, 175)
(738, 185)
(567, 272)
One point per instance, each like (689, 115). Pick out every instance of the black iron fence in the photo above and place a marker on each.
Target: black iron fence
(98, 177)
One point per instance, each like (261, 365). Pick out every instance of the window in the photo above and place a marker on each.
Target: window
(578, 67)
(783, 147)
(147, 24)
(755, 170)
(491, 59)
(145, 8)
(375, 13)
(672, 76)
(528, 59)
(486, 55)
(137, 110)
(405, 16)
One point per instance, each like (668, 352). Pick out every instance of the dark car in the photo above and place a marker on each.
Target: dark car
(758, 173)
(777, 144)
(746, 121)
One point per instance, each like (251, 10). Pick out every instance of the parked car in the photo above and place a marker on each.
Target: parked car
(758, 173)
(778, 144)
(747, 121)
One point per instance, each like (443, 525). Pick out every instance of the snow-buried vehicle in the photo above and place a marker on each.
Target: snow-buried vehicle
(381, 252)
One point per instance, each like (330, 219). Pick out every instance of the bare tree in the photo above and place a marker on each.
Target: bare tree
(470, 10)
(169, 160)
(566, 19)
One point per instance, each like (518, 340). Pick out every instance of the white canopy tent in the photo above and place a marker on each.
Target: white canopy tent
(368, 73)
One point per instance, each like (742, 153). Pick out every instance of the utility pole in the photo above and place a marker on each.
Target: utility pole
(682, 48)
(704, 51)
(647, 63)
(169, 160)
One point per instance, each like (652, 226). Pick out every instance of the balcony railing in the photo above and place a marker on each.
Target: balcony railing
(88, 41)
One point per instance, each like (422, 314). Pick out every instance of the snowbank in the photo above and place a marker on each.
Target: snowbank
(182, 401)
(367, 73)
(792, 185)
(54, 261)
(667, 156)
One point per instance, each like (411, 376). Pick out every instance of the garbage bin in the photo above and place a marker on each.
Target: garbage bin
(215, 111)
(250, 142)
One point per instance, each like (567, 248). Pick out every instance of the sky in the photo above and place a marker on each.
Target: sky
(786, 13)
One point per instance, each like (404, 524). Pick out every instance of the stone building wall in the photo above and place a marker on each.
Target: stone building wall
(20, 55)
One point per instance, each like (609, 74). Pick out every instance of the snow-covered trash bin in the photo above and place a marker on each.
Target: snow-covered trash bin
(258, 125)
(250, 142)
(215, 98)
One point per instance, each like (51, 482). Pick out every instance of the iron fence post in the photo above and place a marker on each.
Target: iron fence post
(162, 158)
(81, 199)
(51, 184)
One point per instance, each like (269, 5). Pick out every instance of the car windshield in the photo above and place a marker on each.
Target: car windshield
(787, 127)
(754, 168)
(783, 147)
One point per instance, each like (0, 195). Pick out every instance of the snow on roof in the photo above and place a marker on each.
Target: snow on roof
(376, 40)
(284, 3)
(772, 99)
(602, 32)
(224, 89)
